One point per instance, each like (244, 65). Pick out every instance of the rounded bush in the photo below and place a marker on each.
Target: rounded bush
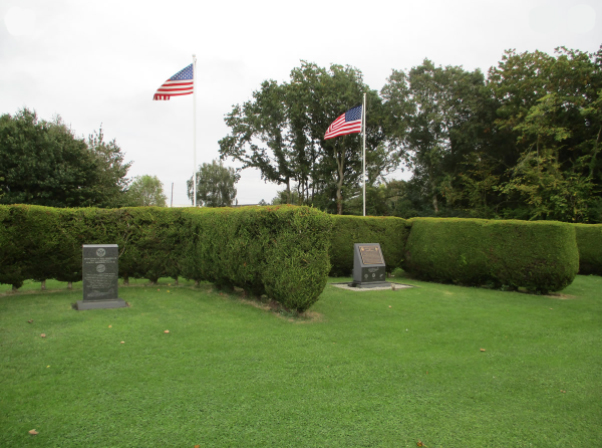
(540, 256)
(589, 242)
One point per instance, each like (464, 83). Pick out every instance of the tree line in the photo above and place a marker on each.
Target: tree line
(44, 163)
(521, 143)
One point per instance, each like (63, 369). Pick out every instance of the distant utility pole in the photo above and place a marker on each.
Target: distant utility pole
(171, 202)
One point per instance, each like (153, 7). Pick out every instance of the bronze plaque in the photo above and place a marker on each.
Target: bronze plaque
(371, 255)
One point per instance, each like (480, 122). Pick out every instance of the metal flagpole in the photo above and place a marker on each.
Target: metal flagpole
(194, 127)
(364, 151)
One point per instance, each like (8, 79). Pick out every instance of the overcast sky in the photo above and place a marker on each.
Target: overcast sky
(100, 62)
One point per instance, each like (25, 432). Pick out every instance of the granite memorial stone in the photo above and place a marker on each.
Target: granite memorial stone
(369, 268)
(100, 276)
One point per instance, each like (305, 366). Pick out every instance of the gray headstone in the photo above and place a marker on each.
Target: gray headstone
(369, 268)
(100, 272)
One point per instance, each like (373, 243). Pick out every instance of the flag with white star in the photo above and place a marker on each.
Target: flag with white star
(182, 83)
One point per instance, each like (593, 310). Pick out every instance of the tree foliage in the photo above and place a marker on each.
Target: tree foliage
(522, 144)
(281, 133)
(215, 185)
(111, 183)
(433, 121)
(43, 163)
(146, 191)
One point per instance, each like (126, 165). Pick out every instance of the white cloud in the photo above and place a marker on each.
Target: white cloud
(20, 21)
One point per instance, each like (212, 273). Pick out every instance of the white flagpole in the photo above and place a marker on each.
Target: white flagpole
(194, 127)
(364, 151)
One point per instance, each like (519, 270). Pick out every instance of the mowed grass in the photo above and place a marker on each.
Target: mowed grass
(364, 369)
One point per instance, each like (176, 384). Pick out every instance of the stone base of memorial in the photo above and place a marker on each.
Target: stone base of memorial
(369, 268)
(368, 285)
(100, 276)
(99, 304)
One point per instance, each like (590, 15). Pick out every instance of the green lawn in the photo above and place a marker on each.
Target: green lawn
(365, 369)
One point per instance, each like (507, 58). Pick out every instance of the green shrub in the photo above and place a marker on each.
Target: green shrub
(280, 251)
(25, 240)
(151, 241)
(391, 233)
(540, 256)
(589, 242)
(40, 243)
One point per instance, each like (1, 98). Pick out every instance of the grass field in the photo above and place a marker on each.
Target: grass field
(363, 369)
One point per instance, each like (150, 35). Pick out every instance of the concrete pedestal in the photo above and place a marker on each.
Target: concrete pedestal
(99, 304)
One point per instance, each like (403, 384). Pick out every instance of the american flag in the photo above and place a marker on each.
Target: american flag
(182, 83)
(348, 123)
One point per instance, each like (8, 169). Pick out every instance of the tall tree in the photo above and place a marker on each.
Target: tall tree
(550, 108)
(431, 113)
(111, 182)
(320, 96)
(215, 185)
(43, 163)
(146, 191)
(281, 132)
(259, 136)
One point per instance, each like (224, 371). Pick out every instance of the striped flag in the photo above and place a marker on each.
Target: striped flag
(348, 123)
(182, 83)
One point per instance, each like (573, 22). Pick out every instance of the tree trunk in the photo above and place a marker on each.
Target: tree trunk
(43, 283)
(288, 190)
(69, 285)
(340, 171)
(126, 280)
(434, 189)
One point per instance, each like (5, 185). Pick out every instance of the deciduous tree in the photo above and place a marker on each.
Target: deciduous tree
(43, 163)
(215, 185)
(146, 191)
(281, 132)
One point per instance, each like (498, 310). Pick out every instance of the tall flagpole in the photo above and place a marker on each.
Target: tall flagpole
(194, 127)
(364, 151)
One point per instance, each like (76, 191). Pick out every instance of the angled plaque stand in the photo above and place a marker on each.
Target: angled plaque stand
(100, 276)
(369, 269)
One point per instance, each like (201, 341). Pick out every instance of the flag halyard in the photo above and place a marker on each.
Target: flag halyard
(348, 123)
(182, 83)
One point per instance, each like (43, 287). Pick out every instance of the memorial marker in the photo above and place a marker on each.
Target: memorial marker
(369, 268)
(100, 273)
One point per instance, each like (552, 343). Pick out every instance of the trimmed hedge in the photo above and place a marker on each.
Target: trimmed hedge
(42, 243)
(589, 242)
(540, 256)
(390, 232)
(279, 251)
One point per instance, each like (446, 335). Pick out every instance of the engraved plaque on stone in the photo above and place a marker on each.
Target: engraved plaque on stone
(369, 269)
(100, 276)
(371, 255)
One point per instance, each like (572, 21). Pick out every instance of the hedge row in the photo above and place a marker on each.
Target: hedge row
(280, 251)
(391, 233)
(46, 243)
(283, 251)
(589, 241)
(540, 256)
